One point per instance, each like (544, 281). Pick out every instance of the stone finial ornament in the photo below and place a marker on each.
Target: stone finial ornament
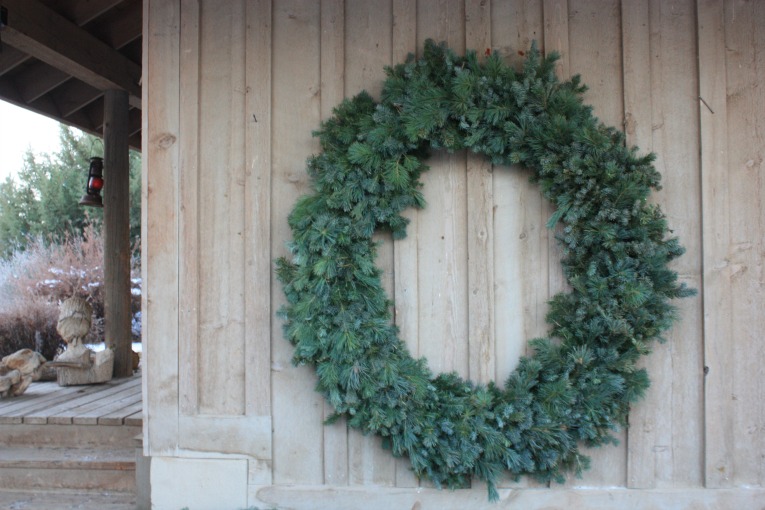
(78, 364)
(74, 320)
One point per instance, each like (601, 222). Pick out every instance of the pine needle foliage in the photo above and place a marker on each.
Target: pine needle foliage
(578, 386)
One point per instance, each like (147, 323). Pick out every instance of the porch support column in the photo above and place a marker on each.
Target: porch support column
(117, 231)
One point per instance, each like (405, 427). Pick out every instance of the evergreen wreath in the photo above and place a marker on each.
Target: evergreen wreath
(581, 380)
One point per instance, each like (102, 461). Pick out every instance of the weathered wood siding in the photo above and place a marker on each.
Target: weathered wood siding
(235, 89)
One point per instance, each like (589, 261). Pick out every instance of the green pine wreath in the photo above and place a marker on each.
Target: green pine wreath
(579, 384)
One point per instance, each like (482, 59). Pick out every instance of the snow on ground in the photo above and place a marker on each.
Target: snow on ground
(137, 347)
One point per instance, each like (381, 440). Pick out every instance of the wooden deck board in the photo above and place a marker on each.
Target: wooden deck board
(66, 414)
(135, 419)
(12, 410)
(117, 402)
(118, 416)
(112, 408)
(105, 391)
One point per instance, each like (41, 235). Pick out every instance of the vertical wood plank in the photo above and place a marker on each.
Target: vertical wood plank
(680, 199)
(160, 220)
(718, 327)
(257, 119)
(745, 65)
(221, 345)
(636, 57)
(442, 225)
(367, 52)
(332, 55)
(234, 361)
(405, 264)
(668, 431)
(442, 258)
(520, 236)
(480, 232)
(258, 268)
(642, 439)
(557, 38)
(188, 226)
(297, 409)
(597, 56)
(332, 93)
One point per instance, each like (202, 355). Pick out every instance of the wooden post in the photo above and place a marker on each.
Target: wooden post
(117, 231)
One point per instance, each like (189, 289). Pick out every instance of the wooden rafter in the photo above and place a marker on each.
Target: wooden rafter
(73, 95)
(45, 106)
(37, 79)
(87, 10)
(120, 26)
(10, 58)
(38, 31)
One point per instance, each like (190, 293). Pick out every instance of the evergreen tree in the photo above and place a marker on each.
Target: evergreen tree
(43, 199)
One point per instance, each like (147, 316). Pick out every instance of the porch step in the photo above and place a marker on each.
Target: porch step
(66, 500)
(86, 469)
(67, 436)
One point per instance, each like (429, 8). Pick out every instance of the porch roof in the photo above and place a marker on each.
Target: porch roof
(59, 56)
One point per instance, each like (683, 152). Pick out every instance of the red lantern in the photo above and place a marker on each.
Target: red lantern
(92, 196)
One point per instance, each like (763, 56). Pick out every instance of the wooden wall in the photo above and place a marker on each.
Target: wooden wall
(235, 89)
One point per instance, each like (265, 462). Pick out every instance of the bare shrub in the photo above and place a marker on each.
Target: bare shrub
(29, 323)
(35, 281)
(72, 267)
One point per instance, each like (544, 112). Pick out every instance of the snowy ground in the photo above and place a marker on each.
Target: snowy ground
(137, 347)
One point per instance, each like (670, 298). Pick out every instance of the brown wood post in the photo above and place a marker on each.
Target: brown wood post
(117, 231)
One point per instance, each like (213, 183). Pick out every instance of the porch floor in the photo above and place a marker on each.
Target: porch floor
(117, 402)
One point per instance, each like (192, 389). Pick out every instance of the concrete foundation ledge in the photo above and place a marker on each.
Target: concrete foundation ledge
(390, 498)
(222, 484)
(198, 484)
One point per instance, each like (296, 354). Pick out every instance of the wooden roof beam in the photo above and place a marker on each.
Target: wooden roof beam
(117, 32)
(39, 78)
(40, 32)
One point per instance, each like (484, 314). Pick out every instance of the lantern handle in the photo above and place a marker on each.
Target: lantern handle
(93, 143)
